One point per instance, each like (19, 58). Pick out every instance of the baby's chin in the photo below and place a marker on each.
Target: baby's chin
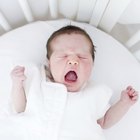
(73, 88)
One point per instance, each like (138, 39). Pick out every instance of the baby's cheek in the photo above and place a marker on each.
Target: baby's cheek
(87, 69)
(57, 72)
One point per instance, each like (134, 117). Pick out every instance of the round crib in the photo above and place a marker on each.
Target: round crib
(25, 29)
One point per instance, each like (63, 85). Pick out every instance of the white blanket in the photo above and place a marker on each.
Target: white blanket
(29, 43)
(42, 118)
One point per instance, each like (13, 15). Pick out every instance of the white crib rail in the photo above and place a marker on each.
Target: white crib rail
(26, 10)
(98, 12)
(53, 6)
(112, 14)
(133, 40)
(4, 23)
(103, 14)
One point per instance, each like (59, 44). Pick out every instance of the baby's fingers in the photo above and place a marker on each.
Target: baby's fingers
(131, 91)
(135, 96)
(17, 70)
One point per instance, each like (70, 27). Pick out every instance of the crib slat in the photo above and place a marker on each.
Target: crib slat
(85, 9)
(26, 10)
(68, 8)
(4, 23)
(53, 6)
(98, 12)
(112, 14)
(133, 40)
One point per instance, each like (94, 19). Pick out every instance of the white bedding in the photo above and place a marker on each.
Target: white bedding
(114, 66)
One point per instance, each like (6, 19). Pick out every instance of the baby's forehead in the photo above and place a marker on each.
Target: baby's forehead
(71, 50)
(72, 41)
(68, 35)
(73, 38)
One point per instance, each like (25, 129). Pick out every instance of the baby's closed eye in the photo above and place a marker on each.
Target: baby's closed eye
(83, 57)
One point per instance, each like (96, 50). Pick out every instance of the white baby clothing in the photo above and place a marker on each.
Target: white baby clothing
(82, 111)
(69, 115)
(52, 113)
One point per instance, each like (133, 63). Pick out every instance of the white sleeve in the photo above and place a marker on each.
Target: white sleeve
(104, 94)
(34, 95)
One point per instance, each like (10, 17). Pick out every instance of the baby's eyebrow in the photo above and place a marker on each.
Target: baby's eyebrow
(83, 53)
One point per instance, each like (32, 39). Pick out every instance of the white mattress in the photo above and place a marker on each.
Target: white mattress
(114, 66)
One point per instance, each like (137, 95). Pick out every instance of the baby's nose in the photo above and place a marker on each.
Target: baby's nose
(73, 62)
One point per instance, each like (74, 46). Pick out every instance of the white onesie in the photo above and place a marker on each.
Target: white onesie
(70, 115)
(82, 111)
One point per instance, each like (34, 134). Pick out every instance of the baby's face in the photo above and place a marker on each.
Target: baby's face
(71, 60)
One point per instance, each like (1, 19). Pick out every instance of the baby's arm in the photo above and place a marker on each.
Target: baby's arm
(18, 93)
(118, 110)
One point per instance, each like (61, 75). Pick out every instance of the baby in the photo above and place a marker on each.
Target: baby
(70, 54)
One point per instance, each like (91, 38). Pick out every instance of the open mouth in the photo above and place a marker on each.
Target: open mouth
(71, 76)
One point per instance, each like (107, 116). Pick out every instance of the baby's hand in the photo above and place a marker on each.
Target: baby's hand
(18, 75)
(129, 95)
